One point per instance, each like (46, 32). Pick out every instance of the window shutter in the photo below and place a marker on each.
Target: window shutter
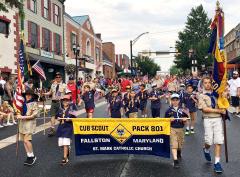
(54, 42)
(29, 33)
(60, 15)
(49, 10)
(60, 44)
(38, 36)
(50, 33)
(28, 4)
(42, 7)
(43, 35)
(53, 7)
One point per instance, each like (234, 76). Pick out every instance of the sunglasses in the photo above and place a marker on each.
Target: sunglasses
(58, 77)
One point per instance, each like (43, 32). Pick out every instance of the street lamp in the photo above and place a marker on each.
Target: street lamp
(76, 51)
(132, 42)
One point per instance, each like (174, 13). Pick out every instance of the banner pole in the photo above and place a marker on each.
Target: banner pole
(225, 137)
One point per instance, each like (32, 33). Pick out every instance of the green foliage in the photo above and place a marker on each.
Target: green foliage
(174, 70)
(11, 3)
(196, 35)
(147, 66)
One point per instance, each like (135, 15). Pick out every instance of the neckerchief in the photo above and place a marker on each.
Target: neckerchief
(24, 112)
(212, 96)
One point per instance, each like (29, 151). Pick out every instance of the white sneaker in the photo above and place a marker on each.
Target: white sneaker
(1, 126)
(9, 124)
(5, 124)
(15, 123)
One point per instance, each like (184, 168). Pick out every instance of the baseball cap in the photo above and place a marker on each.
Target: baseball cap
(175, 95)
(154, 85)
(235, 72)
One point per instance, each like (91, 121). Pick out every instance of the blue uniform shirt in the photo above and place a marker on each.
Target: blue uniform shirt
(88, 98)
(132, 105)
(173, 113)
(115, 106)
(65, 128)
(194, 82)
(189, 102)
(155, 103)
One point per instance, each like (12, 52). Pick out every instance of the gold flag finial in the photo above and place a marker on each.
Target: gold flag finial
(217, 5)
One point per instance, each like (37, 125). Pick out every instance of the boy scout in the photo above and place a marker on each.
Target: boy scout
(213, 127)
(57, 91)
(27, 125)
(155, 97)
(143, 97)
(115, 105)
(177, 125)
(132, 105)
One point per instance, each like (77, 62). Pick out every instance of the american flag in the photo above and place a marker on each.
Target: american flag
(38, 68)
(18, 98)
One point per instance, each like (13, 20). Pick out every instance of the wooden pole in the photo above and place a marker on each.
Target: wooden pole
(225, 137)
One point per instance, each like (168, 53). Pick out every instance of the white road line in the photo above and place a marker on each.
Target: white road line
(12, 139)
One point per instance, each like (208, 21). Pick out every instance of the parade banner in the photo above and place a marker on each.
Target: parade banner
(149, 136)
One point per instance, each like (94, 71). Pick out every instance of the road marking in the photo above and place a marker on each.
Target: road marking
(12, 139)
(126, 166)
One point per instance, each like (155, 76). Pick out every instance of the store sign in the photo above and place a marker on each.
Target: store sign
(46, 54)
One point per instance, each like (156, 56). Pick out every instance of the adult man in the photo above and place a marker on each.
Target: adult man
(58, 89)
(234, 83)
(159, 81)
(213, 127)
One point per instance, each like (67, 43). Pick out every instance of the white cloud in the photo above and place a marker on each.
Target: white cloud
(119, 21)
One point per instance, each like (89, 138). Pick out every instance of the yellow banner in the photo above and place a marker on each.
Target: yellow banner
(129, 126)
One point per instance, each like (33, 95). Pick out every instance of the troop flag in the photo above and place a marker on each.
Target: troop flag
(220, 62)
(39, 69)
(18, 98)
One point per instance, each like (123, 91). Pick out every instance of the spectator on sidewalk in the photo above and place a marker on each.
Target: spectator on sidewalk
(234, 84)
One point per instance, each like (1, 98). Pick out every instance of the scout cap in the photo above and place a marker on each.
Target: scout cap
(66, 97)
(175, 95)
(182, 85)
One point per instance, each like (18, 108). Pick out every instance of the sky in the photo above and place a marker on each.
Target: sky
(120, 21)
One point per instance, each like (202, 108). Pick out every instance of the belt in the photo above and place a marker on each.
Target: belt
(55, 101)
(211, 117)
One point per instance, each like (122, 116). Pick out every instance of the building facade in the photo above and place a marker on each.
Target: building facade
(43, 29)
(122, 61)
(232, 48)
(109, 60)
(9, 42)
(79, 31)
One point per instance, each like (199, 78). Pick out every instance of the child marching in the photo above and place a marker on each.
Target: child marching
(177, 131)
(155, 97)
(190, 101)
(132, 105)
(115, 104)
(65, 127)
(88, 98)
(27, 125)
(143, 97)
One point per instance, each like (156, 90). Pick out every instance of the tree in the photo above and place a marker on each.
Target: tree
(147, 66)
(11, 3)
(174, 70)
(196, 35)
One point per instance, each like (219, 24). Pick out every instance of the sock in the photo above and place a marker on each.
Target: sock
(192, 128)
(206, 150)
(28, 154)
(217, 160)
(187, 128)
(31, 154)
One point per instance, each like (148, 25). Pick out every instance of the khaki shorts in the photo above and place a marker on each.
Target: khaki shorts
(177, 138)
(25, 137)
(133, 115)
(213, 131)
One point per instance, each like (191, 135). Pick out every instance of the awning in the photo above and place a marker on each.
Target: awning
(234, 61)
(34, 57)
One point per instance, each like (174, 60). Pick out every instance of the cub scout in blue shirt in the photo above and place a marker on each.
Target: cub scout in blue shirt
(115, 105)
(177, 132)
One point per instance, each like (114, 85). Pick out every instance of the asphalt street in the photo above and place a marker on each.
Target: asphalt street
(49, 156)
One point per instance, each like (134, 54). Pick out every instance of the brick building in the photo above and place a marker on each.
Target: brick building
(79, 31)
(43, 29)
(232, 48)
(123, 61)
(9, 42)
(109, 60)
